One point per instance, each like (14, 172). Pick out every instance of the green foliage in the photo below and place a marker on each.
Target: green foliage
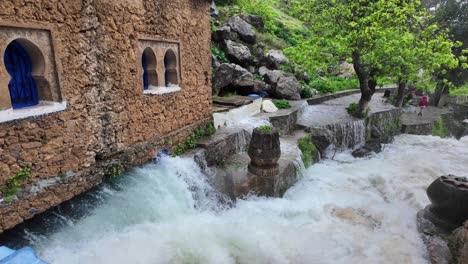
(463, 90)
(439, 129)
(354, 110)
(258, 77)
(210, 130)
(114, 170)
(13, 184)
(265, 128)
(306, 91)
(191, 142)
(308, 149)
(261, 8)
(282, 104)
(220, 55)
(271, 40)
(334, 84)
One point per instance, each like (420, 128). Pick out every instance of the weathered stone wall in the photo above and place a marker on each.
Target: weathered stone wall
(108, 117)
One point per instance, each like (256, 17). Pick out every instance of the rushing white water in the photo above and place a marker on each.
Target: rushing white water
(342, 211)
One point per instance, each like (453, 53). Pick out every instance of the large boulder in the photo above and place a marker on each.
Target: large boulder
(346, 70)
(230, 77)
(322, 139)
(274, 59)
(237, 52)
(283, 84)
(254, 20)
(245, 30)
(228, 73)
(272, 77)
(223, 33)
(288, 88)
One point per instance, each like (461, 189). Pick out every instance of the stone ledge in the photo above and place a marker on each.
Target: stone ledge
(43, 108)
(327, 97)
(153, 90)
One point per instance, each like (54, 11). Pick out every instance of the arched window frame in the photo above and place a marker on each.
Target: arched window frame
(44, 72)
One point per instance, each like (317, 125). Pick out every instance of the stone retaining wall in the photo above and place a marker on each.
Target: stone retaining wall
(108, 120)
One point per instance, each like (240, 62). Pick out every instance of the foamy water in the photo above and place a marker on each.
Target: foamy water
(342, 211)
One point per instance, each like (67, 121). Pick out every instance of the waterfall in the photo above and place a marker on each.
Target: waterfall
(349, 135)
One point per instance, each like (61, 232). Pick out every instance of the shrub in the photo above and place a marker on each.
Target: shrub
(114, 170)
(220, 55)
(439, 129)
(354, 110)
(13, 184)
(265, 128)
(282, 104)
(306, 92)
(308, 149)
(261, 8)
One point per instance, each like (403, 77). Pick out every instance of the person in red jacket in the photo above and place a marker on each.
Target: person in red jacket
(423, 104)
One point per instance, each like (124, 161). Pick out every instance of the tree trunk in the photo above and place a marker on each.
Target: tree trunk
(401, 93)
(364, 78)
(441, 89)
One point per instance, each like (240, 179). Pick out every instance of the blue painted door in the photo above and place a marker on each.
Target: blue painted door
(23, 90)
(166, 75)
(145, 72)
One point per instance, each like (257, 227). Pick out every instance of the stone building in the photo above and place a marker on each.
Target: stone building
(89, 87)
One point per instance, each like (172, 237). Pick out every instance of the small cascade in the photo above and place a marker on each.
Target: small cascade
(349, 135)
(252, 122)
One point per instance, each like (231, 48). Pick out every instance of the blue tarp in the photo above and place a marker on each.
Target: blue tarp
(25, 255)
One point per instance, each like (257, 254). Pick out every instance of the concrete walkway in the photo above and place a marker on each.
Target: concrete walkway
(334, 111)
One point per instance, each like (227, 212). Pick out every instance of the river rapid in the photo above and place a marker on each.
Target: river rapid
(344, 210)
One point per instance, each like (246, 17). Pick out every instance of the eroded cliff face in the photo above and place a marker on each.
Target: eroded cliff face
(108, 119)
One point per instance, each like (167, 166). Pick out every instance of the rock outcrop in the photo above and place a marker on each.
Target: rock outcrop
(237, 52)
(245, 31)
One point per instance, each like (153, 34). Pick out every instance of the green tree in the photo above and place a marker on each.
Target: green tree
(379, 37)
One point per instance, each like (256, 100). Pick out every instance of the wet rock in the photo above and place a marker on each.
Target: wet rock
(237, 52)
(373, 146)
(433, 237)
(254, 20)
(459, 243)
(322, 138)
(449, 197)
(274, 59)
(245, 31)
(224, 33)
(226, 142)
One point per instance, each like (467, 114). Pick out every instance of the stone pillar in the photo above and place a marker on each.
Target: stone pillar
(264, 152)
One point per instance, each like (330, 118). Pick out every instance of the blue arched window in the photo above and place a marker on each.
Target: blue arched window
(144, 63)
(23, 89)
(148, 62)
(170, 66)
